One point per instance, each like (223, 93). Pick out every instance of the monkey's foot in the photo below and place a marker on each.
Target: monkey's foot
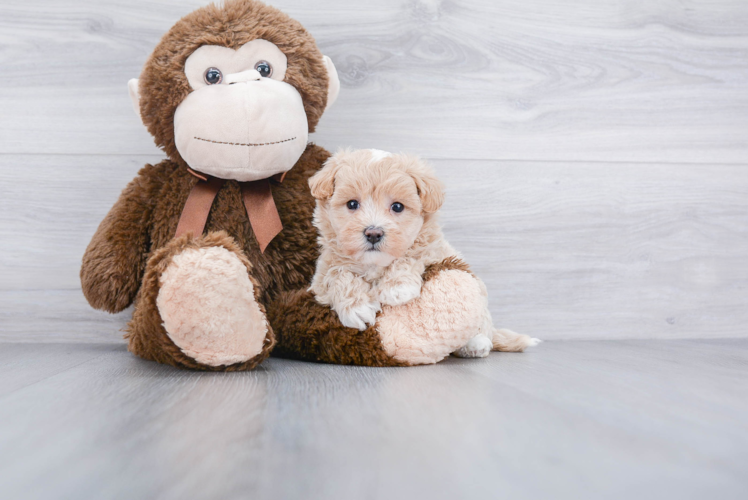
(444, 318)
(208, 306)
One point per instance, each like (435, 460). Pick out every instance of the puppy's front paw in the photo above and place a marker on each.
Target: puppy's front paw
(478, 347)
(399, 294)
(359, 316)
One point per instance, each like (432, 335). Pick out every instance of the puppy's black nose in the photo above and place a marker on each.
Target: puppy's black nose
(373, 234)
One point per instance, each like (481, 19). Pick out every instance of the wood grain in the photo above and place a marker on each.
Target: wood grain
(599, 80)
(567, 249)
(57, 316)
(567, 420)
(605, 250)
(596, 164)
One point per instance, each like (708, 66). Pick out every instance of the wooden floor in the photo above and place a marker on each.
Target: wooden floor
(568, 420)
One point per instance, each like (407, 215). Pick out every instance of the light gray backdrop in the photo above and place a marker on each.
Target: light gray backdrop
(595, 151)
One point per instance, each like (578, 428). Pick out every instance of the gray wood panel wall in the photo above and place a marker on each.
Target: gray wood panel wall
(595, 151)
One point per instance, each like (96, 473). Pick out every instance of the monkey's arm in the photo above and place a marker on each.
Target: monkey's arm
(114, 261)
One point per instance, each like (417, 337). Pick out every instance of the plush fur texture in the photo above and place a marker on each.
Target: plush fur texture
(148, 212)
(443, 318)
(146, 333)
(247, 127)
(163, 84)
(133, 256)
(207, 302)
(309, 331)
(359, 271)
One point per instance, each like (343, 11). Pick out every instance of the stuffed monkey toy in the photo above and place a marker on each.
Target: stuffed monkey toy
(215, 244)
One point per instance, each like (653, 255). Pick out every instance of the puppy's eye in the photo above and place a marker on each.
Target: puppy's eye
(264, 68)
(213, 76)
(397, 207)
(352, 205)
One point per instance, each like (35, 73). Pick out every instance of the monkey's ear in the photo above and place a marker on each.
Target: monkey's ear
(333, 88)
(430, 188)
(322, 184)
(132, 87)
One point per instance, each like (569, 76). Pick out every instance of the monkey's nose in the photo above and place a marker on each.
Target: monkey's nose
(373, 234)
(245, 76)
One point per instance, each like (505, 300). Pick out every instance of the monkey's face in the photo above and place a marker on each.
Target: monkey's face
(241, 121)
(233, 90)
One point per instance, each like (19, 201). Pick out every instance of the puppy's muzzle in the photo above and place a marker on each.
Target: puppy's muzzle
(374, 234)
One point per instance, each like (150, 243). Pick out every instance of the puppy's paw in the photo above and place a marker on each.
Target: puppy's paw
(359, 316)
(533, 342)
(479, 346)
(399, 294)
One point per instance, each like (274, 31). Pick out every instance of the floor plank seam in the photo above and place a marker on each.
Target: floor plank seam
(50, 376)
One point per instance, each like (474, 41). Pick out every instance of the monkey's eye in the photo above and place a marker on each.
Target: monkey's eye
(264, 68)
(352, 205)
(213, 76)
(397, 207)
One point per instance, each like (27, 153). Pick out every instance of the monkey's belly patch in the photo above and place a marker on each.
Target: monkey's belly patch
(207, 304)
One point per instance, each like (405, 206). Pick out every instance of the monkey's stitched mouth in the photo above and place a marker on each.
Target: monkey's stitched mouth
(249, 144)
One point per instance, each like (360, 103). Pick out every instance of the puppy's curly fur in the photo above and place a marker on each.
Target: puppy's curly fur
(378, 232)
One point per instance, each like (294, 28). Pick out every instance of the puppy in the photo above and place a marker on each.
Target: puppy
(376, 217)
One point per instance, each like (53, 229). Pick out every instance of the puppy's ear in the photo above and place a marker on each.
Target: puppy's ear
(322, 184)
(430, 188)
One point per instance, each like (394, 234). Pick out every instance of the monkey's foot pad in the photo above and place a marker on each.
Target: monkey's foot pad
(208, 307)
(444, 318)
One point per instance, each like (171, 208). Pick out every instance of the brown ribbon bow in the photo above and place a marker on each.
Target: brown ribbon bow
(258, 201)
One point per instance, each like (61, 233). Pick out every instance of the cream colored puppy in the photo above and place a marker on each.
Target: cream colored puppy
(377, 232)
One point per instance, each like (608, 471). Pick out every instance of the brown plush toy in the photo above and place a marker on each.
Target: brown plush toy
(215, 245)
